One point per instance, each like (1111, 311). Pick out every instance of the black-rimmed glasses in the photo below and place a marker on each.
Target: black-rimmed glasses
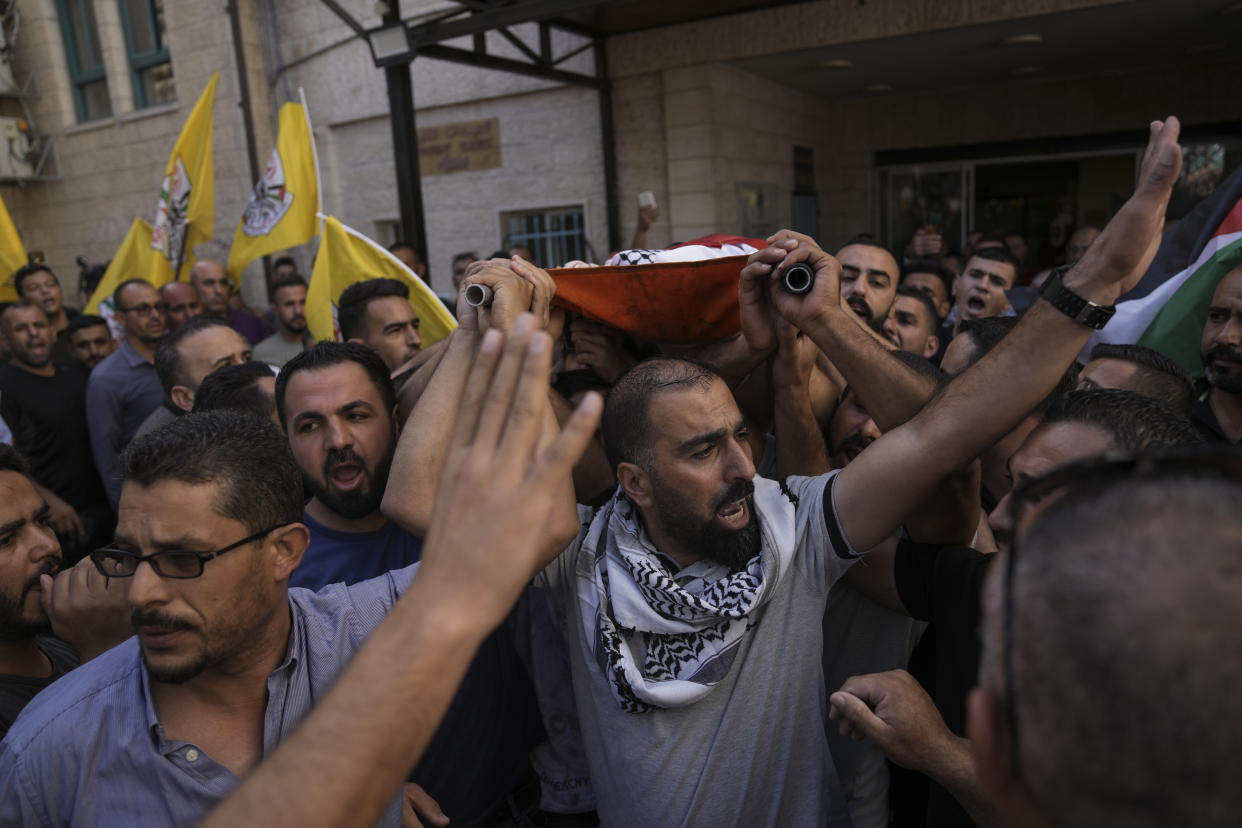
(1205, 461)
(169, 563)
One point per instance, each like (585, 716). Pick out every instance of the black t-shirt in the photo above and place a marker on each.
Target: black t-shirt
(47, 416)
(1205, 420)
(944, 585)
(17, 691)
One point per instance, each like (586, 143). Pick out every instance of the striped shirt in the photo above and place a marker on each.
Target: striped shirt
(90, 750)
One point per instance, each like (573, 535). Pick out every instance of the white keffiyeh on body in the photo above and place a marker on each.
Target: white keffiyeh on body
(666, 640)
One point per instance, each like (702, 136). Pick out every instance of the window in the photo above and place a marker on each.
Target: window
(554, 235)
(85, 59)
(149, 64)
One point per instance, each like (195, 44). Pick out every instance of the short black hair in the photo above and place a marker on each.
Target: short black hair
(12, 460)
(116, 294)
(27, 270)
(469, 254)
(912, 292)
(986, 333)
(1135, 421)
(924, 366)
(235, 388)
(997, 254)
(83, 321)
(1158, 376)
(325, 354)
(933, 266)
(402, 245)
(169, 365)
(284, 260)
(292, 280)
(260, 484)
(351, 307)
(624, 425)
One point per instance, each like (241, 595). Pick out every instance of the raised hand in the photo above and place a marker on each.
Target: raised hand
(86, 611)
(759, 287)
(504, 482)
(1118, 258)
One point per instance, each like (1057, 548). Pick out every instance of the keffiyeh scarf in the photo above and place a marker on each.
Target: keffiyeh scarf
(666, 640)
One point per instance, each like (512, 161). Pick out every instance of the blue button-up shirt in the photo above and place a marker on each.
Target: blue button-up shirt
(122, 391)
(90, 750)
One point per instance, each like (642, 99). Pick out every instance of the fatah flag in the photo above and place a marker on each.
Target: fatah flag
(281, 211)
(683, 295)
(134, 259)
(12, 255)
(346, 256)
(1168, 308)
(186, 213)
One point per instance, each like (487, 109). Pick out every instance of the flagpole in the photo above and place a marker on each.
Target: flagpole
(314, 156)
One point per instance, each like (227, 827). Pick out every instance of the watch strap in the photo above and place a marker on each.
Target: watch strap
(1055, 293)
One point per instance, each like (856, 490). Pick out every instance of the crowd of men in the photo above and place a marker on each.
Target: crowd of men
(897, 553)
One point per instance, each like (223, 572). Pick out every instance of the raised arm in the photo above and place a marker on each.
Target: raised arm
(346, 762)
(991, 397)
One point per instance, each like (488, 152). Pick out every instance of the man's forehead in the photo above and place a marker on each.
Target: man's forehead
(682, 411)
(173, 510)
(325, 389)
(866, 257)
(1056, 444)
(17, 496)
(919, 278)
(1229, 289)
(1002, 269)
(140, 293)
(212, 342)
(908, 304)
(388, 309)
(291, 293)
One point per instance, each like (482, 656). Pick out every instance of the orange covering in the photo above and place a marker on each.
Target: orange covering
(674, 302)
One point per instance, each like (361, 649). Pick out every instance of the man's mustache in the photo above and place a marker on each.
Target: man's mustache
(737, 490)
(1224, 352)
(860, 307)
(139, 617)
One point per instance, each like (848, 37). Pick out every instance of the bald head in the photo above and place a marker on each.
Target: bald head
(181, 303)
(213, 287)
(1126, 643)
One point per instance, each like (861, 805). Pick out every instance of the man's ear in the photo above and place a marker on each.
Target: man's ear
(636, 484)
(988, 730)
(289, 543)
(182, 397)
(932, 346)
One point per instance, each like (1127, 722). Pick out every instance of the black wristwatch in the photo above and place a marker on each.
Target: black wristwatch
(1072, 305)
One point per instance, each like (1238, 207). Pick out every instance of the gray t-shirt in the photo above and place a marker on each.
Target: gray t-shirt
(753, 751)
(276, 350)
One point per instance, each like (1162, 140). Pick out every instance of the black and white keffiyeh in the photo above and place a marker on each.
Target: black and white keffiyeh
(666, 640)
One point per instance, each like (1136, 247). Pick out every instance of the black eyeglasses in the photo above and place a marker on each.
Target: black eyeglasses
(145, 309)
(1210, 461)
(170, 563)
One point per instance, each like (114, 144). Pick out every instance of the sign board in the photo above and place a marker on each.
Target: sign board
(465, 146)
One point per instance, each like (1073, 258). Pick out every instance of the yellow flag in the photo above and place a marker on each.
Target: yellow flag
(134, 259)
(346, 256)
(186, 213)
(281, 211)
(12, 255)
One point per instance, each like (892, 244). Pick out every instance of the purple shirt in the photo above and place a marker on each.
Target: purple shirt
(253, 329)
(121, 392)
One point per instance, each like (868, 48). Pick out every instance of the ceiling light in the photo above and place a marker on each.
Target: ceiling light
(879, 87)
(1022, 39)
(836, 64)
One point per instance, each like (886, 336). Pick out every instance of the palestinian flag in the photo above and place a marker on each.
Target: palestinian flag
(1168, 308)
(685, 294)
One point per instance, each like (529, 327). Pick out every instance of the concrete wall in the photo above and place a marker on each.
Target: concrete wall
(111, 168)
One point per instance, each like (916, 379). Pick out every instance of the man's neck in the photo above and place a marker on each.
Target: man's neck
(292, 336)
(666, 545)
(1228, 410)
(58, 322)
(145, 350)
(48, 370)
(24, 658)
(222, 708)
(333, 520)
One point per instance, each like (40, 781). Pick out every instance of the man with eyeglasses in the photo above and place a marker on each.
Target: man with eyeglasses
(227, 659)
(124, 389)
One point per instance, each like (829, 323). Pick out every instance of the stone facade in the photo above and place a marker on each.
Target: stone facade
(687, 125)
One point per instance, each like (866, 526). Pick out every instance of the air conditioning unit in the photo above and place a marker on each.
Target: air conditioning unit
(16, 151)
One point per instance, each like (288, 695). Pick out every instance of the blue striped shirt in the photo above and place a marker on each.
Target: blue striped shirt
(90, 751)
